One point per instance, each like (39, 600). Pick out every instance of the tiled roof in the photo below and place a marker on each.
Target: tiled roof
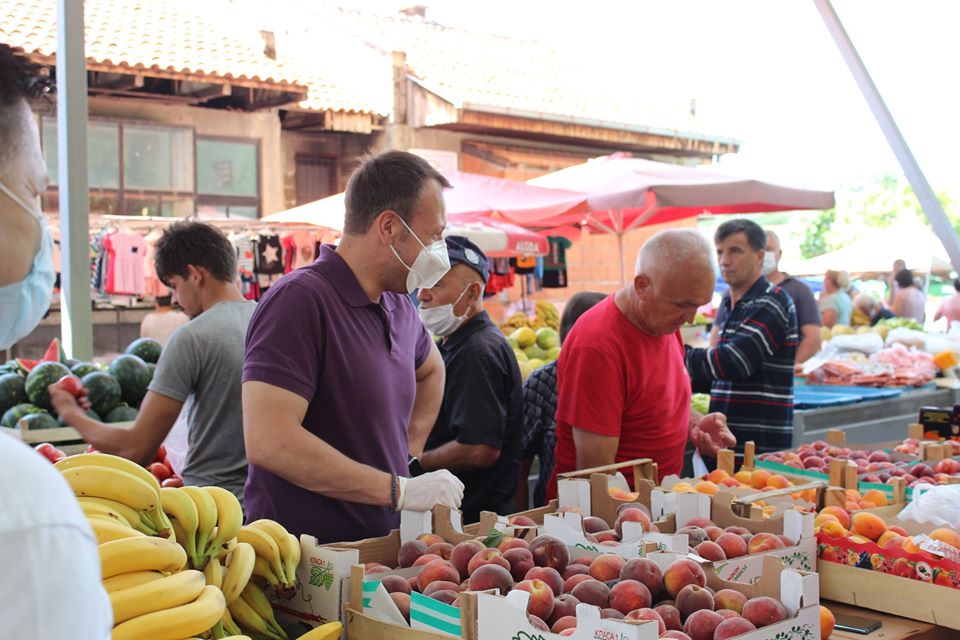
(167, 37)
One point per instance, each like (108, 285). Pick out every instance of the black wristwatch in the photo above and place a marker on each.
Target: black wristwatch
(416, 469)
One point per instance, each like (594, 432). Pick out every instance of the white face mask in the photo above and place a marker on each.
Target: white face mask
(441, 320)
(769, 263)
(432, 263)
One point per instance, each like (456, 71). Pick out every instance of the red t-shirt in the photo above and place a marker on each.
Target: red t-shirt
(615, 380)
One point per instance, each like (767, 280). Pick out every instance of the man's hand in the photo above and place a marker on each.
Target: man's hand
(711, 434)
(65, 404)
(423, 492)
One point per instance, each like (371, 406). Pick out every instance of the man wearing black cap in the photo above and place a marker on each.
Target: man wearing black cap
(477, 433)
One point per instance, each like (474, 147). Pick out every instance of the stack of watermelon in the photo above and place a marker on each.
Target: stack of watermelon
(115, 391)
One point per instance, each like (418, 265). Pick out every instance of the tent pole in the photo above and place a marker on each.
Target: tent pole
(623, 274)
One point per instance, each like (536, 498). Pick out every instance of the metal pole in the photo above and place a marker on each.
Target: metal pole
(623, 273)
(928, 200)
(76, 318)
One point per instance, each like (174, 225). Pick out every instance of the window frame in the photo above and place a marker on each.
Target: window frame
(213, 200)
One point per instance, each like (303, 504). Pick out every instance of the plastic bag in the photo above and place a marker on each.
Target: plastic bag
(907, 337)
(868, 343)
(940, 504)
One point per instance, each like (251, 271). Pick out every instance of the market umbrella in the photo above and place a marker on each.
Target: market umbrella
(626, 192)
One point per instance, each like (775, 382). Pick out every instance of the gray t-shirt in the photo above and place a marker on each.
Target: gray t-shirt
(201, 366)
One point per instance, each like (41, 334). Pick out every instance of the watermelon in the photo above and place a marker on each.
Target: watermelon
(54, 352)
(153, 370)
(12, 391)
(41, 420)
(42, 376)
(123, 413)
(103, 391)
(83, 368)
(26, 366)
(90, 414)
(13, 414)
(147, 349)
(133, 375)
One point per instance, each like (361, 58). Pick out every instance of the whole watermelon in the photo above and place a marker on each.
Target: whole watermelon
(103, 391)
(42, 376)
(134, 377)
(90, 414)
(123, 413)
(83, 368)
(12, 391)
(42, 420)
(147, 349)
(12, 416)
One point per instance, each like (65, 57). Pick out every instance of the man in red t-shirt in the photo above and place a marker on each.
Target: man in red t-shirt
(623, 387)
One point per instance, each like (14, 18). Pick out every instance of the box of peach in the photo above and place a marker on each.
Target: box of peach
(867, 558)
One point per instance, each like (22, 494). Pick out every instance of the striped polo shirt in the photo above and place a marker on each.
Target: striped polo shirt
(749, 374)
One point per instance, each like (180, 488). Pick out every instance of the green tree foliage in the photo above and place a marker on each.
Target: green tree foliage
(816, 239)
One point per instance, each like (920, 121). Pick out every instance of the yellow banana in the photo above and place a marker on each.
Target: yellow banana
(244, 615)
(179, 506)
(133, 579)
(236, 637)
(229, 626)
(112, 484)
(97, 509)
(137, 519)
(293, 559)
(328, 631)
(276, 531)
(107, 529)
(106, 460)
(229, 518)
(183, 621)
(240, 564)
(213, 572)
(206, 520)
(140, 554)
(172, 591)
(265, 546)
(262, 568)
(257, 599)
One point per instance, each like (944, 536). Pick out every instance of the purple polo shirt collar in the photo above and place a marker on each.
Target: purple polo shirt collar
(347, 284)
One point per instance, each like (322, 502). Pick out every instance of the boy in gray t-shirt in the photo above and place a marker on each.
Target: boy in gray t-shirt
(200, 368)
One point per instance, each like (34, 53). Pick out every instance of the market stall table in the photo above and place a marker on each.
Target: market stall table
(893, 628)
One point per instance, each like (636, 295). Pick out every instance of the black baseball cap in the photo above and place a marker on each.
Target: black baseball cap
(462, 251)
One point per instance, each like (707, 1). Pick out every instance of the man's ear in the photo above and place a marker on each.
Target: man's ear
(475, 293)
(198, 273)
(642, 284)
(388, 226)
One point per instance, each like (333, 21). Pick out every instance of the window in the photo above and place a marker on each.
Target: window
(157, 158)
(103, 153)
(226, 167)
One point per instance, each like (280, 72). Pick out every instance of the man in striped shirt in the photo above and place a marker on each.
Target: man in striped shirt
(749, 373)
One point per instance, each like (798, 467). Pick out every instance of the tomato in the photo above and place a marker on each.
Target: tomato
(47, 450)
(173, 481)
(58, 455)
(161, 455)
(160, 471)
(72, 385)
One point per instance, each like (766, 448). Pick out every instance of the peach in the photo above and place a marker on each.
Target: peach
(537, 623)
(491, 576)
(743, 476)
(682, 487)
(727, 613)
(425, 558)
(593, 524)
(898, 529)
(592, 592)
(700, 522)
(729, 599)
(584, 560)
(645, 571)
(887, 536)
(732, 628)
(717, 476)
(713, 532)
(436, 570)
(430, 538)
(607, 536)
(670, 616)
(395, 584)
(634, 505)
(733, 545)
(575, 569)
(693, 598)
(509, 542)
(541, 600)
(674, 635)
(440, 585)
(606, 567)
(706, 487)
(487, 556)
(842, 515)
(521, 561)
(778, 481)
(695, 535)
(413, 584)
(548, 575)
(462, 554)
(763, 542)
(521, 521)
(737, 530)
(645, 613)
(682, 573)
(827, 623)
(948, 536)
(868, 525)
(564, 605)
(609, 613)
(550, 551)
(442, 549)
(824, 517)
(632, 515)
(877, 497)
(402, 600)
(834, 529)
(446, 596)
(763, 611)
(570, 583)
(948, 466)
(375, 567)
(627, 595)
(409, 552)
(566, 622)
(700, 625)
(710, 551)
(759, 478)
(568, 632)
(731, 482)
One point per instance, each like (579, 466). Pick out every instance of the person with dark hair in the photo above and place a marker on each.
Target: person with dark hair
(749, 373)
(199, 369)
(538, 436)
(622, 389)
(49, 549)
(892, 286)
(950, 307)
(477, 432)
(162, 321)
(342, 383)
(909, 300)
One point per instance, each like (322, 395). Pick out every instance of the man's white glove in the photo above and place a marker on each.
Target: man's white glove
(423, 492)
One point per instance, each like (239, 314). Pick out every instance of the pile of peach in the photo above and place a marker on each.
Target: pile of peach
(855, 501)
(758, 479)
(863, 527)
(912, 446)
(715, 544)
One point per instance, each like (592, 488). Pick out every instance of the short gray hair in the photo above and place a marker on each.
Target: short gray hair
(674, 247)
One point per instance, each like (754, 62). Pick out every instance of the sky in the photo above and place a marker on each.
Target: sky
(763, 71)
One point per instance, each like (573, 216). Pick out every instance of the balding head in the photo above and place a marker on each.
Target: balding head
(675, 249)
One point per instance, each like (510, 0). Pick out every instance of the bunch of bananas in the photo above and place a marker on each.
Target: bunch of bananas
(547, 315)
(206, 521)
(514, 322)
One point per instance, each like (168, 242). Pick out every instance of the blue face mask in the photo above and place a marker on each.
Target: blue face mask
(23, 304)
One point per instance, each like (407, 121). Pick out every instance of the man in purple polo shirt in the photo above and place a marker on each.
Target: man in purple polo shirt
(341, 382)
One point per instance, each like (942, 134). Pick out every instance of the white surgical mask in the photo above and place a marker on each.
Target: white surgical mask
(22, 304)
(441, 320)
(769, 263)
(431, 264)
